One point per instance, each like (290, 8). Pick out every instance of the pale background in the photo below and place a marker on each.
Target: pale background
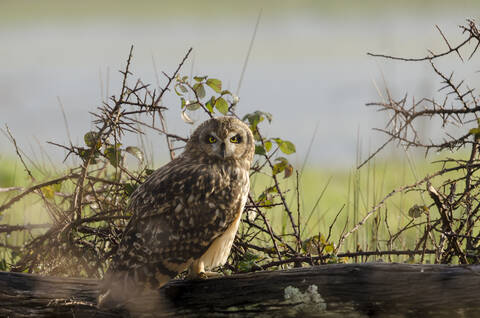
(308, 66)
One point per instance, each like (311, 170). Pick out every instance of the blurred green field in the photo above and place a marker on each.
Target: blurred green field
(323, 192)
(144, 10)
(27, 211)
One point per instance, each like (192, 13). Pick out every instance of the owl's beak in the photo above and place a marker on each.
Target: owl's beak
(222, 150)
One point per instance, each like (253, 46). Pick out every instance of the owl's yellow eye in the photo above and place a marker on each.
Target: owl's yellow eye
(235, 139)
(212, 139)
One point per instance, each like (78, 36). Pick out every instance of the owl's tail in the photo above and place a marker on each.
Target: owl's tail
(116, 289)
(122, 290)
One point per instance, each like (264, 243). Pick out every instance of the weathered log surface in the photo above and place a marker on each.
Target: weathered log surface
(344, 290)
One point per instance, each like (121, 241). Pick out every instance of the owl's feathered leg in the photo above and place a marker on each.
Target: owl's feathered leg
(197, 271)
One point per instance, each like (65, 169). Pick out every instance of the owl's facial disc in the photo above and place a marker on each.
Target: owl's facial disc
(231, 144)
(226, 147)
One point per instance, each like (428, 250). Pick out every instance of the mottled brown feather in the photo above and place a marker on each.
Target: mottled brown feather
(181, 209)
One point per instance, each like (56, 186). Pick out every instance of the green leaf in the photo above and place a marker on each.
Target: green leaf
(176, 91)
(3, 265)
(253, 119)
(277, 168)
(259, 150)
(226, 92)
(316, 244)
(184, 102)
(475, 132)
(268, 145)
(57, 186)
(199, 78)
(272, 189)
(265, 198)
(255, 133)
(85, 155)
(92, 139)
(280, 166)
(129, 188)
(248, 262)
(215, 84)
(193, 106)
(285, 146)
(136, 152)
(199, 90)
(221, 105)
(113, 154)
(312, 244)
(48, 191)
(329, 248)
(183, 89)
(209, 105)
(257, 117)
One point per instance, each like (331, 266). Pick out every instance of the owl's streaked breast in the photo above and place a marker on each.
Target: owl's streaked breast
(218, 252)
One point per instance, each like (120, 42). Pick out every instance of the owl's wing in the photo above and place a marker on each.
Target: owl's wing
(173, 184)
(177, 213)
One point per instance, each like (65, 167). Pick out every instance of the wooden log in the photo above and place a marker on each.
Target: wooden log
(337, 290)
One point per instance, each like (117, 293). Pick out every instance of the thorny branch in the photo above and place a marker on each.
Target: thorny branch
(87, 205)
(453, 215)
(472, 34)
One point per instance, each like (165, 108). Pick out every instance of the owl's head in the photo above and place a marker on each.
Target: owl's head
(222, 138)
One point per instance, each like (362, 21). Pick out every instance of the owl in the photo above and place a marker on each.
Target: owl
(186, 214)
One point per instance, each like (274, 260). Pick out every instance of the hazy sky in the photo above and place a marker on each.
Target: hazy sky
(308, 66)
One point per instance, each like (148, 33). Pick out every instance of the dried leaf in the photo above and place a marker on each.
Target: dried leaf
(417, 210)
(136, 152)
(186, 118)
(288, 171)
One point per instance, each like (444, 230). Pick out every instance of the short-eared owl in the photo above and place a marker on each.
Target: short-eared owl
(186, 214)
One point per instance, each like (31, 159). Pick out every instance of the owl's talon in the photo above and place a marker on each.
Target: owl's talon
(213, 274)
(200, 275)
(206, 275)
